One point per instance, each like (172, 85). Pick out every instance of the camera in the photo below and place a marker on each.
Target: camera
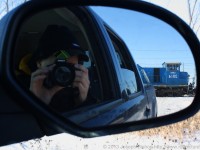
(63, 74)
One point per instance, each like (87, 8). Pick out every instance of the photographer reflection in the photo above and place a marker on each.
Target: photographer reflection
(58, 77)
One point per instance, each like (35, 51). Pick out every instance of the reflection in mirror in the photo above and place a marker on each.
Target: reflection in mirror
(162, 55)
(62, 61)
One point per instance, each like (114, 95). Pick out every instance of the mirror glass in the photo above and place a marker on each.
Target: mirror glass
(99, 66)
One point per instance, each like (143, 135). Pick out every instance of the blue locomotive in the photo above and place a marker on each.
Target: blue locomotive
(168, 80)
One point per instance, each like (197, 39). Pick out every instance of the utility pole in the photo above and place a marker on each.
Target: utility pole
(7, 5)
(194, 14)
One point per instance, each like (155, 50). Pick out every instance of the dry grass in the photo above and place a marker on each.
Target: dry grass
(177, 130)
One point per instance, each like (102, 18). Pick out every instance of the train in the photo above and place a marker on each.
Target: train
(167, 80)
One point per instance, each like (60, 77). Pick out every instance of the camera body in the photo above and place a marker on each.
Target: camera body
(63, 74)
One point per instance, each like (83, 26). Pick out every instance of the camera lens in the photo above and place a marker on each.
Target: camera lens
(64, 75)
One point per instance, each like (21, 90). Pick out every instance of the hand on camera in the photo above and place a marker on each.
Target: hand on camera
(37, 87)
(81, 82)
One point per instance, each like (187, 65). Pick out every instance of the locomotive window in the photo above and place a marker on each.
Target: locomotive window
(173, 67)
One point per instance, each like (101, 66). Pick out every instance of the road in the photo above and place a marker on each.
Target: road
(168, 105)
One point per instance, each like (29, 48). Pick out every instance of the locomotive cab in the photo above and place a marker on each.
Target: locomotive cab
(174, 80)
(174, 76)
(172, 66)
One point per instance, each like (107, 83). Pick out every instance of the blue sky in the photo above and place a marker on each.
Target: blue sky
(150, 40)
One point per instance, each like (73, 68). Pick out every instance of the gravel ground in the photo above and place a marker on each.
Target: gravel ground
(182, 135)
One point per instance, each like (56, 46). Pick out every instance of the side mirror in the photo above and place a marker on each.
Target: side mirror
(20, 33)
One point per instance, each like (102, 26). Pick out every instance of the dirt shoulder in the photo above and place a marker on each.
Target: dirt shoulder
(178, 130)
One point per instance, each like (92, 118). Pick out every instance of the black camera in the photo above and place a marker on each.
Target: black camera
(63, 74)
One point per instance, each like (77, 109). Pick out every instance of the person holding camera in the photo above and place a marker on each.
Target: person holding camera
(58, 77)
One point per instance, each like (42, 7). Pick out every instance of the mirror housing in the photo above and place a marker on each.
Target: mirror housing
(9, 27)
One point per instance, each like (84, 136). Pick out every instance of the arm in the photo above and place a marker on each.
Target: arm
(81, 82)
